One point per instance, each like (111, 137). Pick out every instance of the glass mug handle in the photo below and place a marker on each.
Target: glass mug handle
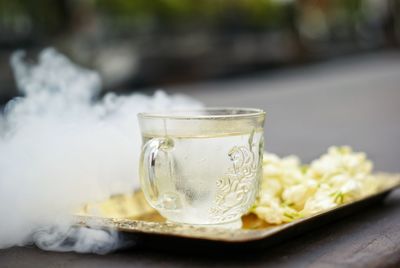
(148, 179)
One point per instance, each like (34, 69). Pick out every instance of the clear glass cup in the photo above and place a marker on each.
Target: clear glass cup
(202, 166)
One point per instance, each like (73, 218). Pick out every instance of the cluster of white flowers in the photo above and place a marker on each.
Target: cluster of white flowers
(290, 190)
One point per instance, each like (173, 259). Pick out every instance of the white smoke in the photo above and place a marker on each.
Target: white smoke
(60, 148)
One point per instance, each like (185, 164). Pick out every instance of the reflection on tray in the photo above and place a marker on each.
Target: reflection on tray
(134, 207)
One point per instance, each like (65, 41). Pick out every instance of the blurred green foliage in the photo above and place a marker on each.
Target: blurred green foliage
(42, 15)
(52, 16)
(247, 13)
(145, 41)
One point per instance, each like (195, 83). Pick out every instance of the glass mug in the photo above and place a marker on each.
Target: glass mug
(202, 166)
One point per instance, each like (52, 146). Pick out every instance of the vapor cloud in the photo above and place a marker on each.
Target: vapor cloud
(61, 146)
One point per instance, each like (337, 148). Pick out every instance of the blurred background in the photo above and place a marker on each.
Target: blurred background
(326, 71)
(148, 44)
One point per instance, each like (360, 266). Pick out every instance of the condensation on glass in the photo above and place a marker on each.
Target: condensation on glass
(202, 166)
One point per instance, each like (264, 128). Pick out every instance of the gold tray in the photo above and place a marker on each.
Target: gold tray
(136, 221)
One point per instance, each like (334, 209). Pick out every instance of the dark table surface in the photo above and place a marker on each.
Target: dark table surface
(351, 101)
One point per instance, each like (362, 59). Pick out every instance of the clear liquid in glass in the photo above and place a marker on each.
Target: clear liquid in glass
(207, 179)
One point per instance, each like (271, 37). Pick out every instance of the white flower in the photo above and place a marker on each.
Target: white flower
(270, 215)
(318, 204)
(290, 190)
(340, 160)
(296, 195)
(271, 186)
(276, 214)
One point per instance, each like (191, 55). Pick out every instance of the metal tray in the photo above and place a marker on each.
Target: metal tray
(140, 225)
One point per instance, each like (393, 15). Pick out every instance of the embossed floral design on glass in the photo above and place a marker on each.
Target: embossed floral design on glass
(202, 166)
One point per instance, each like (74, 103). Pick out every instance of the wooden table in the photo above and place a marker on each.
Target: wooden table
(353, 101)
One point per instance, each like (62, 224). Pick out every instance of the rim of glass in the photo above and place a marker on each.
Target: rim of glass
(231, 112)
